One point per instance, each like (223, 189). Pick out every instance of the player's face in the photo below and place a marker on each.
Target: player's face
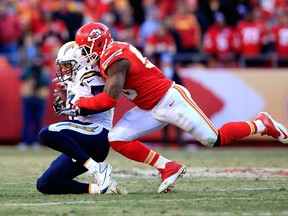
(66, 71)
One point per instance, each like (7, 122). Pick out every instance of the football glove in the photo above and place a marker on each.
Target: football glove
(58, 104)
(68, 112)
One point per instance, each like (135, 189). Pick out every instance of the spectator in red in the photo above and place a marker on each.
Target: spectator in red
(280, 38)
(250, 39)
(96, 8)
(11, 32)
(218, 43)
(187, 26)
(159, 43)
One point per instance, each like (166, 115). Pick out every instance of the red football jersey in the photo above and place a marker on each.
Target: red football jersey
(145, 84)
(251, 36)
(218, 40)
(281, 39)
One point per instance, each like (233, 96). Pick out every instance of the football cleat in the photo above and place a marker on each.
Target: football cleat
(169, 175)
(115, 188)
(273, 128)
(102, 176)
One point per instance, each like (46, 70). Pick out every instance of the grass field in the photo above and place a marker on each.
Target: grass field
(225, 181)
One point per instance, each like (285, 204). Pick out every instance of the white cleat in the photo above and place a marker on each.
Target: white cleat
(102, 176)
(115, 188)
(273, 128)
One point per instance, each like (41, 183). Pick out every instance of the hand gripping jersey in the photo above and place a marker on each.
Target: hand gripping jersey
(145, 84)
(87, 83)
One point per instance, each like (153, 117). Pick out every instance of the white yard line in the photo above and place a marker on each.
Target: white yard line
(123, 201)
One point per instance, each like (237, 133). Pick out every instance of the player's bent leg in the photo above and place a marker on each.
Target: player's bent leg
(123, 139)
(178, 108)
(195, 123)
(58, 178)
(60, 141)
(134, 124)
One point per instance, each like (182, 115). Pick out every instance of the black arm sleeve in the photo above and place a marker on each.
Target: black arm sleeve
(85, 112)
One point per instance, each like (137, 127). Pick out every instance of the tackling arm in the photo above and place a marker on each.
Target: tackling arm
(116, 75)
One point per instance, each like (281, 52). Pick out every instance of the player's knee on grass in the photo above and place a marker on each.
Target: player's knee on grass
(41, 185)
(209, 142)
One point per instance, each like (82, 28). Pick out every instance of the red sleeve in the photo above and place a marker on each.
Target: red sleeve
(100, 102)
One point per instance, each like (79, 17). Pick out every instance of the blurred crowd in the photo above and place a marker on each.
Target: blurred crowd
(214, 33)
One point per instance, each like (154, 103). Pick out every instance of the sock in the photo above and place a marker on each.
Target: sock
(93, 189)
(136, 151)
(260, 126)
(233, 131)
(161, 162)
(90, 164)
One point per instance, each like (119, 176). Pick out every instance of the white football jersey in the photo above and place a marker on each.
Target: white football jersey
(87, 83)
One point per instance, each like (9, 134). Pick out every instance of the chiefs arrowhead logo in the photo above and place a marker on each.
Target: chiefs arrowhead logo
(94, 35)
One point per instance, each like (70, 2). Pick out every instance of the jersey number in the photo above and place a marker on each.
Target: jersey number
(130, 93)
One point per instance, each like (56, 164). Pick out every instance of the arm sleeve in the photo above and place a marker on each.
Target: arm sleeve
(100, 102)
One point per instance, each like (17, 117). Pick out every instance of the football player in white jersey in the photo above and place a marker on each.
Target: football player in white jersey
(82, 140)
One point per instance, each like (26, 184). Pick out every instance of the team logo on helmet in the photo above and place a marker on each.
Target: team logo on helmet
(94, 35)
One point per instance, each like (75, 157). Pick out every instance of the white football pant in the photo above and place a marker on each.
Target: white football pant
(176, 108)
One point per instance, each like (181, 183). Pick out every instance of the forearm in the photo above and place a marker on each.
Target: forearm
(99, 102)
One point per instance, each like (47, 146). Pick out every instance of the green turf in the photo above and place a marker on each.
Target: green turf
(193, 195)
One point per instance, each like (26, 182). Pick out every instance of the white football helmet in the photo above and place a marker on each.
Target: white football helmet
(69, 61)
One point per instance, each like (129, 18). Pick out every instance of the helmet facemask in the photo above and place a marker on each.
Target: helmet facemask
(92, 57)
(67, 70)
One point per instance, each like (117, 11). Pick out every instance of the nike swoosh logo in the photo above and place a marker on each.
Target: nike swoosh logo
(88, 81)
(170, 104)
(102, 171)
(285, 135)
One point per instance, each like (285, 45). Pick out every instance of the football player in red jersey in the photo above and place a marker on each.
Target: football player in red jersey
(159, 101)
